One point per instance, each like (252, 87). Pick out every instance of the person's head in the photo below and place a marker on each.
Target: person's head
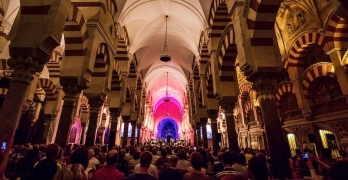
(136, 155)
(91, 153)
(339, 171)
(258, 168)
(154, 151)
(173, 160)
(52, 151)
(241, 159)
(80, 156)
(64, 173)
(121, 155)
(163, 153)
(298, 152)
(145, 159)
(227, 159)
(234, 177)
(182, 154)
(42, 148)
(78, 172)
(131, 150)
(111, 158)
(220, 154)
(196, 160)
(169, 151)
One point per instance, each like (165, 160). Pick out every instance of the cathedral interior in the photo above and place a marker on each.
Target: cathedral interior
(260, 74)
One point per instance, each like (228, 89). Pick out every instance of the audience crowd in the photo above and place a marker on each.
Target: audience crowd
(76, 162)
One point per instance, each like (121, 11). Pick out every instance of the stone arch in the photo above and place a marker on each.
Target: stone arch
(111, 7)
(49, 87)
(248, 106)
(337, 31)
(249, 112)
(139, 83)
(132, 70)
(101, 62)
(209, 83)
(313, 72)
(218, 17)
(281, 89)
(75, 33)
(115, 78)
(244, 91)
(301, 46)
(258, 25)
(84, 104)
(53, 65)
(226, 54)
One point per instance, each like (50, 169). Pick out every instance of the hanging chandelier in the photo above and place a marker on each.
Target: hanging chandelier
(165, 57)
(166, 99)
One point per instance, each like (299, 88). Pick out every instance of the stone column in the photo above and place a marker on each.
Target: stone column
(213, 115)
(232, 138)
(195, 143)
(66, 118)
(48, 131)
(204, 132)
(125, 131)
(318, 142)
(199, 139)
(133, 124)
(95, 105)
(138, 133)
(276, 142)
(83, 133)
(115, 113)
(24, 70)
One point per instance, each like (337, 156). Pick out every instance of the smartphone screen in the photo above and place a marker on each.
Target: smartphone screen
(194, 148)
(3, 146)
(305, 156)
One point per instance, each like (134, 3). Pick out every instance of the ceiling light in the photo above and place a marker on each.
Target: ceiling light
(165, 57)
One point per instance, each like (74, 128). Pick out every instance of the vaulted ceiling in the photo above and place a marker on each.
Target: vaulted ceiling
(145, 23)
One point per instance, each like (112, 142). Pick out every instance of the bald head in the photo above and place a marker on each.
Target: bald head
(112, 156)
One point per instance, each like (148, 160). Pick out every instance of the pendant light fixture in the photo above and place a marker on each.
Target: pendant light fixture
(165, 57)
(166, 99)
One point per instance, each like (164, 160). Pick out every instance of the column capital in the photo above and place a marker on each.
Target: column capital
(73, 86)
(95, 104)
(213, 114)
(24, 68)
(228, 103)
(115, 112)
(203, 121)
(133, 123)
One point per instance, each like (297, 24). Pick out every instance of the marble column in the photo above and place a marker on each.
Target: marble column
(94, 112)
(84, 126)
(133, 124)
(199, 139)
(66, 118)
(232, 138)
(276, 142)
(125, 131)
(204, 132)
(213, 115)
(138, 133)
(114, 113)
(48, 131)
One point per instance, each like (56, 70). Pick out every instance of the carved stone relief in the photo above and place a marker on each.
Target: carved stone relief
(295, 20)
(342, 128)
(325, 90)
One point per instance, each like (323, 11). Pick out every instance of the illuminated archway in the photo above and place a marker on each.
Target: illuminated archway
(167, 126)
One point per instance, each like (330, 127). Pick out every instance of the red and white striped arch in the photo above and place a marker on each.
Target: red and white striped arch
(244, 91)
(260, 19)
(315, 71)
(209, 82)
(53, 65)
(49, 87)
(248, 106)
(115, 79)
(282, 88)
(227, 54)
(75, 33)
(337, 31)
(301, 46)
(218, 17)
(101, 61)
(84, 104)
